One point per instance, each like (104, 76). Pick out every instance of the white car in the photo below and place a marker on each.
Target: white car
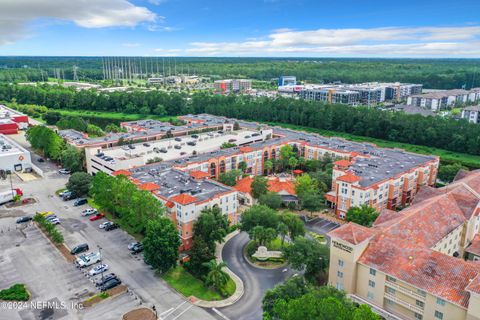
(98, 269)
(64, 171)
(89, 212)
(63, 192)
(104, 224)
(54, 221)
(88, 259)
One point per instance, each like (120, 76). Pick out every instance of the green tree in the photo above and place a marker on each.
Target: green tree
(161, 244)
(305, 184)
(268, 165)
(211, 226)
(282, 230)
(200, 252)
(363, 215)
(242, 165)
(293, 223)
(292, 288)
(112, 127)
(79, 183)
(259, 186)
(448, 172)
(72, 159)
(309, 255)
(216, 277)
(312, 201)
(263, 236)
(229, 178)
(271, 199)
(95, 131)
(259, 215)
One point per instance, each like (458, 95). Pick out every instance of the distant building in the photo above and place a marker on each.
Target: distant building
(284, 187)
(287, 81)
(412, 110)
(441, 100)
(13, 156)
(232, 86)
(472, 114)
(12, 120)
(331, 95)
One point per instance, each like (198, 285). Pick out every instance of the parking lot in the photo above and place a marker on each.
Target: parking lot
(321, 226)
(36, 263)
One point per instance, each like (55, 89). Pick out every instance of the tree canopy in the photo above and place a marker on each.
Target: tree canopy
(79, 183)
(363, 215)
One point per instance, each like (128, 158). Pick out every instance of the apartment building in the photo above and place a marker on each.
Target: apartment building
(184, 195)
(440, 100)
(232, 86)
(472, 114)
(410, 264)
(331, 95)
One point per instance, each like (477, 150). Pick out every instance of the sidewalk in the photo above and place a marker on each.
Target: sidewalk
(239, 290)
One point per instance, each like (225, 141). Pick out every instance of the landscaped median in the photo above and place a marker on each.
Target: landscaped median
(101, 296)
(17, 292)
(53, 235)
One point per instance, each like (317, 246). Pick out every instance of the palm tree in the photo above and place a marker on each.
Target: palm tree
(283, 231)
(216, 277)
(268, 166)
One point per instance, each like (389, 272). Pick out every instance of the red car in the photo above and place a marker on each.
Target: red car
(98, 216)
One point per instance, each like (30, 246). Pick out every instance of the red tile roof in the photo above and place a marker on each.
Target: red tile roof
(352, 233)
(474, 285)
(199, 174)
(149, 186)
(274, 185)
(349, 177)
(246, 149)
(170, 204)
(342, 163)
(474, 246)
(121, 172)
(297, 171)
(244, 185)
(183, 199)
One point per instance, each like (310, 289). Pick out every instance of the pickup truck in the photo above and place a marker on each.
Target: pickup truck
(88, 259)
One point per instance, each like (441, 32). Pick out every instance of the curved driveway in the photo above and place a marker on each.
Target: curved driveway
(255, 280)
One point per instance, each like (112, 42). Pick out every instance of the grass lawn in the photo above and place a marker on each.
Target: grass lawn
(60, 190)
(110, 217)
(188, 285)
(17, 292)
(111, 115)
(471, 161)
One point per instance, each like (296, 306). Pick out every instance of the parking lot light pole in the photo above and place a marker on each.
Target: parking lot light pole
(101, 258)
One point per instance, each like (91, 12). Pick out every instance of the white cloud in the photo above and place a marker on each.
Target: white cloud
(157, 2)
(421, 41)
(15, 15)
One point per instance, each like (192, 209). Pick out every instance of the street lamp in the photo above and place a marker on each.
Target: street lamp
(103, 269)
(155, 310)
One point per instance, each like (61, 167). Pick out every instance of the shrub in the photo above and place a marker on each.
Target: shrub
(17, 292)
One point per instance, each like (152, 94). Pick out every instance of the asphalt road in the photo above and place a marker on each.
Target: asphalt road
(321, 226)
(257, 281)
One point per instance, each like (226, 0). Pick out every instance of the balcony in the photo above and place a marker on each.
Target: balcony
(407, 305)
(404, 290)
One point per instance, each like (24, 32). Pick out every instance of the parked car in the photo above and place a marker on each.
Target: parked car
(51, 217)
(183, 153)
(24, 219)
(112, 226)
(178, 139)
(88, 259)
(68, 196)
(40, 160)
(61, 194)
(104, 224)
(191, 143)
(98, 216)
(146, 144)
(112, 283)
(80, 202)
(232, 140)
(177, 147)
(195, 136)
(46, 213)
(89, 212)
(64, 171)
(132, 244)
(137, 249)
(54, 221)
(98, 269)
(106, 278)
(163, 150)
(79, 249)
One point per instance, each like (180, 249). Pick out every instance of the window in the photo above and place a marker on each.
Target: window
(438, 315)
(389, 302)
(418, 316)
(390, 290)
(370, 295)
(422, 293)
(440, 302)
(339, 286)
(340, 274)
(373, 271)
(391, 279)
(419, 303)
(371, 283)
(340, 263)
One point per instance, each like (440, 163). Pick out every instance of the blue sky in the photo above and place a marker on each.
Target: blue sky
(303, 28)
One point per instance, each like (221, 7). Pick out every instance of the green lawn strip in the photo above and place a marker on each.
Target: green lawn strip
(60, 190)
(114, 219)
(471, 161)
(17, 292)
(185, 283)
(111, 115)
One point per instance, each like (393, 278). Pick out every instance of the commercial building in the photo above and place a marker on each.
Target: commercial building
(440, 100)
(232, 86)
(410, 264)
(472, 114)
(287, 81)
(12, 120)
(13, 156)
